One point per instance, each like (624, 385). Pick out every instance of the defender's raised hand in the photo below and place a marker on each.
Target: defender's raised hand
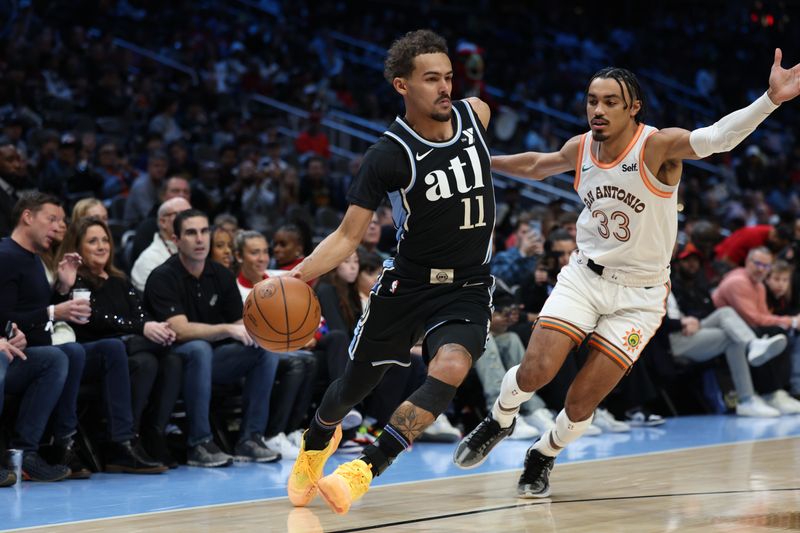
(783, 84)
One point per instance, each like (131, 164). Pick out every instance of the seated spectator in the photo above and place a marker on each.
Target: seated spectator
(117, 178)
(743, 289)
(315, 185)
(227, 222)
(37, 375)
(312, 140)
(144, 191)
(162, 245)
(504, 350)
(200, 301)
(287, 249)
(516, 263)
(370, 265)
(296, 370)
(536, 288)
(89, 207)
(222, 247)
(174, 187)
(25, 298)
(723, 331)
(371, 238)
(735, 247)
(780, 302)
(117, 312)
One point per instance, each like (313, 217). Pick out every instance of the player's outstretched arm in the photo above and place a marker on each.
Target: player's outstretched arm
(730, 130)
(537, 165)
(337, 246)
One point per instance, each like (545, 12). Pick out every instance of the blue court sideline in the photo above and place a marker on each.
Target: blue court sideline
(110, 495)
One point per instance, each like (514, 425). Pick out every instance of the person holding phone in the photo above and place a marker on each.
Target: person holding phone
(517, 263)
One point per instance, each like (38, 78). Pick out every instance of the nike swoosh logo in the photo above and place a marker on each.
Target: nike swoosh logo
(585, 168)
(421, 157)
(470, 284)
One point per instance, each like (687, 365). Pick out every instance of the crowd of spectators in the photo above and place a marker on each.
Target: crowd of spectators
(146, 184)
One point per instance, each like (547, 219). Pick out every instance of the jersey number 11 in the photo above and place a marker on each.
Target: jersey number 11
(468, 213)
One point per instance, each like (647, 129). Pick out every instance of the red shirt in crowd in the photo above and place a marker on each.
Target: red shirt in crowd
(741, 241)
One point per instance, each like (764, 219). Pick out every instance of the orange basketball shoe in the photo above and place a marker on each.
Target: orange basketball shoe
(307, 470)
(347, 484)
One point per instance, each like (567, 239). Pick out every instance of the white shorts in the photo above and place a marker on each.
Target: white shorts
(621, 320)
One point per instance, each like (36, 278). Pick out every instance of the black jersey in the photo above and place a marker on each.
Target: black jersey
(442, 193)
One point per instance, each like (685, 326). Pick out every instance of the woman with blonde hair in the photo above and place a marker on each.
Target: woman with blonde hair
(89, 207)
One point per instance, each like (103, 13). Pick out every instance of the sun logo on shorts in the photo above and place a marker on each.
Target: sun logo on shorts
(632, 339)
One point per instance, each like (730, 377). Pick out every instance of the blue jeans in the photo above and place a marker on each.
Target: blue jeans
(204, 364)
(39, 381)
(107, 361)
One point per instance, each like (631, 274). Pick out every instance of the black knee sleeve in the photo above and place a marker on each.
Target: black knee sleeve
(434, 396)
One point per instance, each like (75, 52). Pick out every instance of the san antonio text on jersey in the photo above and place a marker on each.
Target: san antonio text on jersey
(441, 192)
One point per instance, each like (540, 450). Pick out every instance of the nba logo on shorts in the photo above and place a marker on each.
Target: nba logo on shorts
(394, 286)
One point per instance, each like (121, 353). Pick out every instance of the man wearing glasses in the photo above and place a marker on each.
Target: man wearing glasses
(162, 247)
(743, 289)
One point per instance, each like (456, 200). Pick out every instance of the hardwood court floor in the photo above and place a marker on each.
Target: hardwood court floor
(745, 486)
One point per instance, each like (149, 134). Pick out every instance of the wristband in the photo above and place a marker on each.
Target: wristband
(794, 323)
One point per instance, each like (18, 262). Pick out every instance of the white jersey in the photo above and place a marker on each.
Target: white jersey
(630, 218)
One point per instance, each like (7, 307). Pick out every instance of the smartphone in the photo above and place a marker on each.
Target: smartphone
(9, 330)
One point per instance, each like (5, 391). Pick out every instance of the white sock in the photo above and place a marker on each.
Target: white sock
(554, 440)
(506, 406)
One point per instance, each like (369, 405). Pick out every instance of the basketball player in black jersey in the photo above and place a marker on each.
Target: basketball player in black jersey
(434, 165)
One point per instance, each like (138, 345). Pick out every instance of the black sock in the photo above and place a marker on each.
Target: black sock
(318, 434)
(384, 450)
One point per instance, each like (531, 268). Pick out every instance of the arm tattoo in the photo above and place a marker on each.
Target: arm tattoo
(411, 420)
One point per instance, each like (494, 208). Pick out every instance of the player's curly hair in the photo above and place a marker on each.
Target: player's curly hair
(622, 75)
(400, 58)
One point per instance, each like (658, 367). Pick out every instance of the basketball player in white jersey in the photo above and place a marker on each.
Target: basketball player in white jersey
(615, 287)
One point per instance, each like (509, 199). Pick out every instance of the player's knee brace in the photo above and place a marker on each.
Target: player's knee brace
(434, 396)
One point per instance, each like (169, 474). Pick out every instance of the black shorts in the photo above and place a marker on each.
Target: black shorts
(404, 306)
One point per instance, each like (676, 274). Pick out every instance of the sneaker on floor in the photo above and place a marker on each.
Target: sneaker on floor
(759, 351)
(349, 482)
(783, 402)
(208, 455)
(642, 418)
(351, 420)
(364, 437)
(606, 421)
(34, 468)
(307, 470)
(535, 479)
(523, 431)
(350, 446)
(542, 419)
(440, 431)
(755, 406)
(296, 437)
(7, 478)
(281, 445)
(254, 450)
(473, 449)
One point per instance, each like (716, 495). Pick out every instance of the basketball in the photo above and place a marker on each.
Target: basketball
(281, 314)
